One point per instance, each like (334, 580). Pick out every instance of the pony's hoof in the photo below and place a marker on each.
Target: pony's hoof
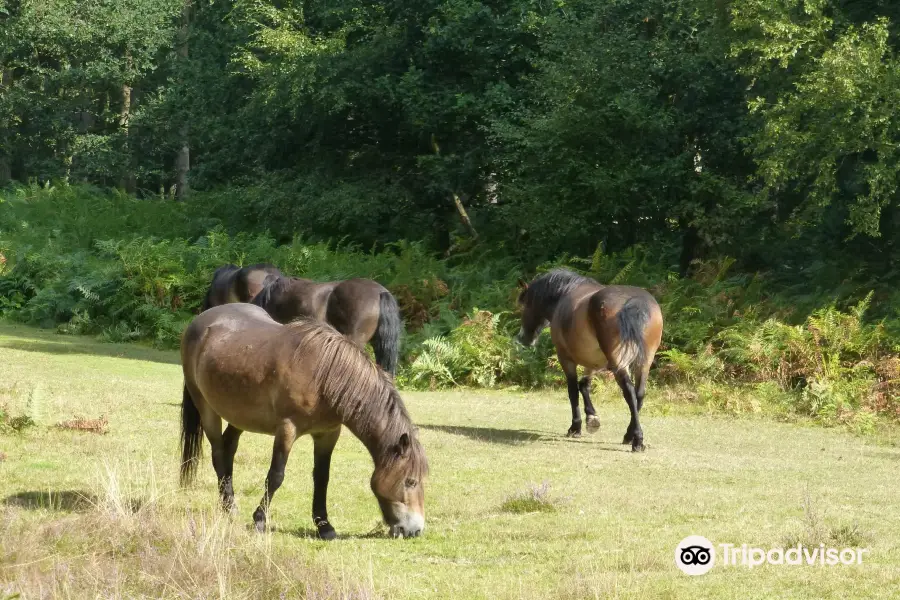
(573, 433)
(260, 526)
(638, 447)
(326, 531)
(593, 424)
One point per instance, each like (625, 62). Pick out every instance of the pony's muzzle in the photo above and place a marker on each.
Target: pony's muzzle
(411, 525)
(520, 339)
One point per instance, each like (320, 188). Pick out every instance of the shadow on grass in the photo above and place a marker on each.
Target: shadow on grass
(513, 437)
(134, 352)
(309, 533)
(496, 436)
(67, 500)
(62, 500)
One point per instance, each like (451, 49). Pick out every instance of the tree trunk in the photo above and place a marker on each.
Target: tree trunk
(5, 154)
(183, 160)
(127, 182)
(457, 202)
(464, 216)
(690, 245)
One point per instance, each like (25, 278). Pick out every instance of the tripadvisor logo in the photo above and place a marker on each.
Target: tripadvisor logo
(696, 555)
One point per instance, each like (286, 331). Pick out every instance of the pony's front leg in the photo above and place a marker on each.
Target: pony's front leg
(284, 440)
(571, 371)
(323, 446)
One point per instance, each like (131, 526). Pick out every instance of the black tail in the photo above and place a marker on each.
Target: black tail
(191, 438)
(633, 317)
(386, 341)
(207, 301)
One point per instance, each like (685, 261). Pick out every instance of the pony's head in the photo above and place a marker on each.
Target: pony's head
(538, 300)
(533, 319)
(399, 487)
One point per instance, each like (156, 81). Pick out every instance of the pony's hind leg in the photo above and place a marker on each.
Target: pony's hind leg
(584, 385)
(641, 385)
(634, 434)
(323, 446)
(226, 487)
(222, 457)
(284, 440)
(571, 370)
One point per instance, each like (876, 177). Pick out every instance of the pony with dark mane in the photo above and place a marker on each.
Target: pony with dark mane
(596, 326)
(361, 309)
(231, 283)
(243, 367)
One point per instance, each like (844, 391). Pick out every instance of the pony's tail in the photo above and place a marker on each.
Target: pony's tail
(191, 438)
(633, 318)
(386, 341)
(207, 302)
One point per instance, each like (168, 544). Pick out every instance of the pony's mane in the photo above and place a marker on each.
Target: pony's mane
(358, 390)
(274, 285)
(547, 289)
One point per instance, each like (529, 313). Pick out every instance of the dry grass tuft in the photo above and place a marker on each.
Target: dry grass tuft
(131, 542)
(536, 498)
(10, 423)
(100, 425)
(815, 529)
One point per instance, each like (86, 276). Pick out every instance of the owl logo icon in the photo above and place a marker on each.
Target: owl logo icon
(695, 555)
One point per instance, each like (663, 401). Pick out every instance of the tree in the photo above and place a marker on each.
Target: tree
(629, 131)
(75, 72)
(828, 144)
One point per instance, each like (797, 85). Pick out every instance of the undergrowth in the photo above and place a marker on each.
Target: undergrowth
(95, 263)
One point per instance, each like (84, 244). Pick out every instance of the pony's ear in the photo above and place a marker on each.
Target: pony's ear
(523, 285)
(403, 444)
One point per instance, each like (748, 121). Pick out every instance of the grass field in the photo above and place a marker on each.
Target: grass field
(88, 515)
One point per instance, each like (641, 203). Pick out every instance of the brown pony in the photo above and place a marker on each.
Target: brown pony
(287, 381)
(362, 309)
(615, 326)
(231, 283)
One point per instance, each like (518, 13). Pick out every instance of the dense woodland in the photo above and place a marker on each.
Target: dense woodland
(741, 158)
(753, 128)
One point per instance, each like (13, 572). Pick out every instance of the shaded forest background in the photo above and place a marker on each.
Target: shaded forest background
(738, 157)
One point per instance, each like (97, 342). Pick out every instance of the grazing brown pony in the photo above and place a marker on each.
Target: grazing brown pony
(288, 381)
(362, 309)
(596, 326)
(231, 283)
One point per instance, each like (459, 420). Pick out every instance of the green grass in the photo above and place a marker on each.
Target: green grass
(89, 515)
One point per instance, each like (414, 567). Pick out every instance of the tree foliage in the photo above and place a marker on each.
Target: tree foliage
(761, 129)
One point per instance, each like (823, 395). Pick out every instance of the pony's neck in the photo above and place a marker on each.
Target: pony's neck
(372, 432)
(376, 444)
(546, 308)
